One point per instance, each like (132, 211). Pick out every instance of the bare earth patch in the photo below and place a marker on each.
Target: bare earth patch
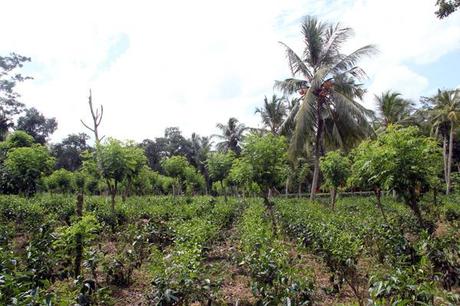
(135, 294)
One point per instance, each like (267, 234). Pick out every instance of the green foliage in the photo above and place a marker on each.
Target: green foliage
(36, 125)
(180, 276)
(399, 159)
(274, 280)
(87, 227)
(9, 98)
(241, 173)
(61, 180)
(368, 166)
(411, 159)
(118, 161)
(263, 161)
(142, 184)
(26, 165)
(446, 7)
(19, 139)
(324, 235)
(219, 165)
(180, 169)
(194, 181)
(68, 151)
(335, 168)
(175, 166)
(177, 239)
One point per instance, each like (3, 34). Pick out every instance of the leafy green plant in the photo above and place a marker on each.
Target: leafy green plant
(336, 170)
(266, 258)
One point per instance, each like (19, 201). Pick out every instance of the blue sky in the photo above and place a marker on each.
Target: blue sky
(443, 74)
(195, 63)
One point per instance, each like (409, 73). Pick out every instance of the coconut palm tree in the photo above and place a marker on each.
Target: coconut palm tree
(393, 109)
(328, 112)
(231, 136)
(446, 113)
(273, 113)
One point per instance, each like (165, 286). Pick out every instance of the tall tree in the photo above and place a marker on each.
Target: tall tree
(231, 136)
(446, 7)
(173, 143)
(273, 113)
(393, 109)
(153, 152)
(446, 112)
(177, 144)
(329, 86)
(199, 150)
(36, 125)
(68, 151)
(9, 98)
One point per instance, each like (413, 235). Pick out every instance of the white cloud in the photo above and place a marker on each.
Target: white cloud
(195, 63)
(398, 78)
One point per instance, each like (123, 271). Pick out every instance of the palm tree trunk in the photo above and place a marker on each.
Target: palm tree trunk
(444, 156)
(318, 140)
(449, 160)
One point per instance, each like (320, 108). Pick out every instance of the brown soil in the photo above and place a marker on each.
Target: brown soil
(221, 261)
(20, 243)
(135, 294)
(441, 229)
(318, 271)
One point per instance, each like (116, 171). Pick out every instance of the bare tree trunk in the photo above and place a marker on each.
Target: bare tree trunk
(414, 206)
(78, 238)
(113, 194)
(269, 207)
(449, 160)
(378, 196)
(97, 118)
(333, 197)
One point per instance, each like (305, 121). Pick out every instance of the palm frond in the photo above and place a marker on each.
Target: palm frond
(348, 62)
(305, 124)
(296, 64)
(335, 36)
(290, 86)
(313, 32)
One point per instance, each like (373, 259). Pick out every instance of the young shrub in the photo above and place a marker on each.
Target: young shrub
(116, 162)
(263, 161)
(336, 170)
(367, 170)
(175, 166)
(61, 181)
(405, 161)
(241, 175)
(219, 165)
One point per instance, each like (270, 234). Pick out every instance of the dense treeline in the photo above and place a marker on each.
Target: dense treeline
(319, 112)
